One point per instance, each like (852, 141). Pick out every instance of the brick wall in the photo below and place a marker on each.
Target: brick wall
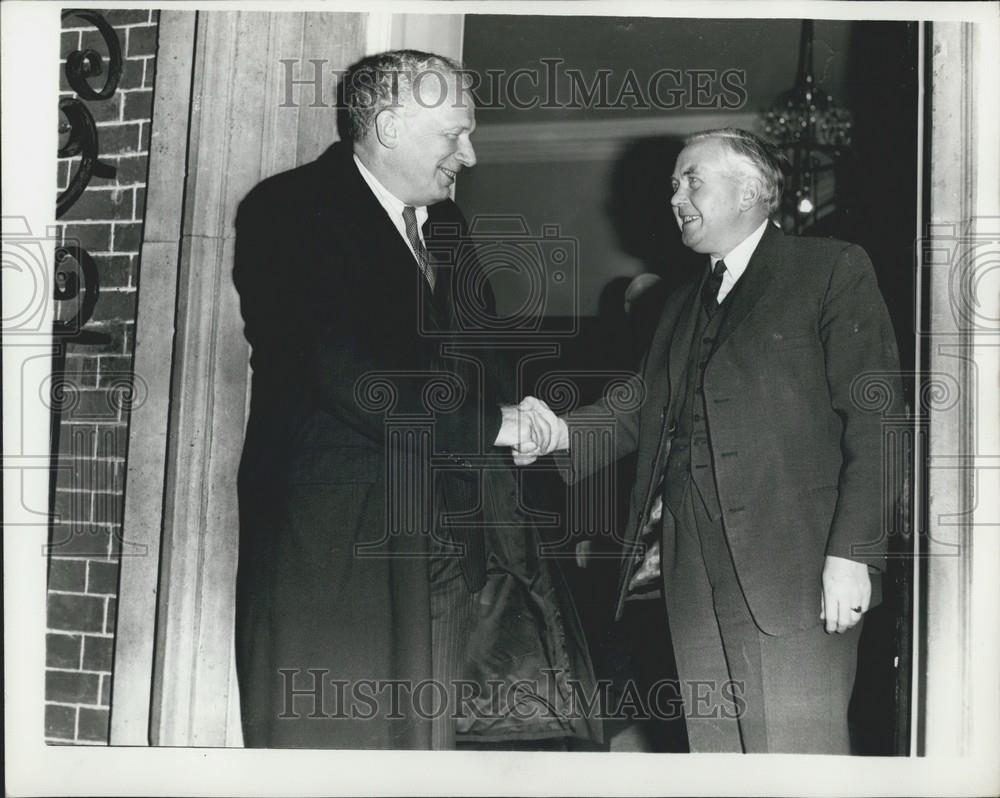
(92, 399)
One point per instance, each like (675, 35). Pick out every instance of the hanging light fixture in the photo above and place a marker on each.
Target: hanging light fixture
(814, 132)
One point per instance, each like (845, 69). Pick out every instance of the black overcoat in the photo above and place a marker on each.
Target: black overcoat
(352, 394)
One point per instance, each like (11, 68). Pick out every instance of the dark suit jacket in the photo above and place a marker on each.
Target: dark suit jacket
(801, 373)
(350, 397)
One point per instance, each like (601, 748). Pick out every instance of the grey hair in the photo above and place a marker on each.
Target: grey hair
(385, 80)
(769, 161)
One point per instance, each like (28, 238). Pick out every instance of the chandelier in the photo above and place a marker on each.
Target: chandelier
(814, 131)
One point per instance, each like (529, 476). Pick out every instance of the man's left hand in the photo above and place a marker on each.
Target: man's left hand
(847, 592)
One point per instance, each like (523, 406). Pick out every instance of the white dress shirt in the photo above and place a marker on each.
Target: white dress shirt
(737, 260)
(394, 206)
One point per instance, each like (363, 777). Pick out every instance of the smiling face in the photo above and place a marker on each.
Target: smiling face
(427, 141)
(715, 203)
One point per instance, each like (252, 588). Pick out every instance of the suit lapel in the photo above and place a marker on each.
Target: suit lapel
(386, 251)
(680, 343)
(753, 284)
(441, 297)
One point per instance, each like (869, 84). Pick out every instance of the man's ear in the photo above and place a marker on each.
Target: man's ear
(752, 193)
(387, 128)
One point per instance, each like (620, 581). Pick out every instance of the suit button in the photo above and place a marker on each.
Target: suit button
(697, 417)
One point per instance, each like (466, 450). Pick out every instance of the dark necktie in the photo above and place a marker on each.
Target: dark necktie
(413, 236)
(710, 293)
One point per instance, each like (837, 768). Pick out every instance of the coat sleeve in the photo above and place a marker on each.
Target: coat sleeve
(862, 370)
(603, 432)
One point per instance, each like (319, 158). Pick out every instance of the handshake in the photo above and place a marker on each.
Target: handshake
(531, 430)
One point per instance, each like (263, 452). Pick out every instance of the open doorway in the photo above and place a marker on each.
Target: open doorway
(579, 138)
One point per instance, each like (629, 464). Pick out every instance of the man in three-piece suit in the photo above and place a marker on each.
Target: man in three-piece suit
(757, 454)
(368, 578)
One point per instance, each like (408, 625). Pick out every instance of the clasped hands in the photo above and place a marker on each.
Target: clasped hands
(531, 430)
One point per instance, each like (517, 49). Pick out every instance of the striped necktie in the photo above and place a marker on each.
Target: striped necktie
(413, 236)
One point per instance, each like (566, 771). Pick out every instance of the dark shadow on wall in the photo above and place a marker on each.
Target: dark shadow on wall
(880, 215)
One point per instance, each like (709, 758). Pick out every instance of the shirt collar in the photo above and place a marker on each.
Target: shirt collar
(392, 204)
(738, 259)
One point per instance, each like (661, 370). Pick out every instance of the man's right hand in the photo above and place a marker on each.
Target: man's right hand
(546, 431)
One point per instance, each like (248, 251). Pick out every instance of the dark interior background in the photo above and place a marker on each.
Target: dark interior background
(616, 211)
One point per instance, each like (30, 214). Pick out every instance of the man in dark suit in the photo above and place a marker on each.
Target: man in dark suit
(762, 454)
(383, 562)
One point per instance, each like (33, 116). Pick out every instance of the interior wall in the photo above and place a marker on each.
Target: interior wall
(599, 174)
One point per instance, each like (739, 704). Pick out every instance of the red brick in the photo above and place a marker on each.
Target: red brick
(117, 139)
(115, 270)
(68, 42)
(109, 110)
(67, 575)
(92, 237)
(116, 365)
(142, 41)
(133, 71)
(72, 688)
(115, 306)
(67, 397)
(108, 507)
(112, 614)
(71, 507)
(93, 724)
(77, 439)
(112, 441)
(138, 104)
(101, 475)
(75, 613)
(93, 40)
(127, 237)
(80, 540)
(101, 204)
(102, 577)
(132, 169)
(126, 16)
(78, 370)
(62, 651)
(97, 653)
(112, 17)
(93, 405)
(60, 722)
(83, 473)
(115, 332)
